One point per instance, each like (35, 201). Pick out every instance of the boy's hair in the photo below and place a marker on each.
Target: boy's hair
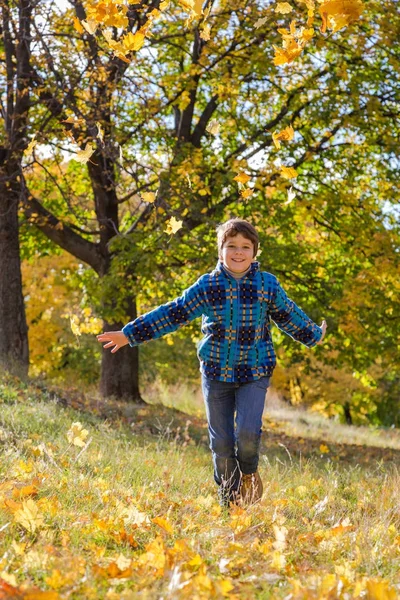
(232, 228)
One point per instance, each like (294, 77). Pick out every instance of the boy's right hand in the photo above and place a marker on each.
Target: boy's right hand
(114, 338)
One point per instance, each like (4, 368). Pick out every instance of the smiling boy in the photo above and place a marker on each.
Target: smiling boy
(237, 302)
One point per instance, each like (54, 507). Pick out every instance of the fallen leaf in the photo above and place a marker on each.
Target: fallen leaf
(29, 516)
(77, 435)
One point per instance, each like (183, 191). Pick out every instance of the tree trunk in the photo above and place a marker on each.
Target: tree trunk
(120, 371)
(14, 354)
(347, 413)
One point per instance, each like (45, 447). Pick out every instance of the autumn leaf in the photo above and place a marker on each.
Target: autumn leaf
(286, 134)
(324, 449)
(246, 193)
(164, 524)
(283, 8)
(291, 195)
(288, 172)
(242, 178)
(100, 132)
(337, 14)
(77, 435)
(90, 25)
(74, 321)
(260, 22)
(286, 55)
(173, 225)
(29, 516)
(78, 25)
(29, 149)
(83, 155)
(133, 41)
(213, 127)
(205, 33)
(148, 196)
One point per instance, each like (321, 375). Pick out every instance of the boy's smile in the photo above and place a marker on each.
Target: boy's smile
(237, 253)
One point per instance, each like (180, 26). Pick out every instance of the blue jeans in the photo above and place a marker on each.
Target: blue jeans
(234, 450)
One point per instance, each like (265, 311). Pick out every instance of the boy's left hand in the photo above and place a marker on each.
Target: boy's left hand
(323, 327)
(115, 339)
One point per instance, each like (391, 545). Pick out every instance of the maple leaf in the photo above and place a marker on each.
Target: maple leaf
(148, 196)
(133, 41)
(247, 193)
(29, 149)
(90, 25)
(213, 127)
(288, 172)
(242, 178)
(339, 13)
(285, 55)
(77, 435)
(164, 524)
(74, 321)
(173, 225)
(78, 25)
(283, 8)
(83, 155)
(286, 134)
(205, 33)
(291, 196)
(260, 22)
(29, 516)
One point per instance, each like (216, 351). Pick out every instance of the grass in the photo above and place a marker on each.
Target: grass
(132, 513)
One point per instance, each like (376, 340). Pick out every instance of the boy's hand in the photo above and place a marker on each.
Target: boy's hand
(114, 338)
(323, 327)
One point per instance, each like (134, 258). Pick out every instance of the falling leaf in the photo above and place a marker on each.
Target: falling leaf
(77, 435)
(283, 8)
(132, 42)
(205, 33)
(100, 132)
(74, 321)
(190, 186)
(260, 22)
(286, 135)
(288, 172)
(246, 193)
(213, 127)
(121, 156)
(83, 155)
(30, 147)
(337, 14)
(324, 449)
(173, 225)
(242, 178)
(29, 516)
(90, 25)
(148, 196)
(284, 56)
(291, 196)
(78, 25)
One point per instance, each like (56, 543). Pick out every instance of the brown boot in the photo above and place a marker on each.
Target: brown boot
(251, 489)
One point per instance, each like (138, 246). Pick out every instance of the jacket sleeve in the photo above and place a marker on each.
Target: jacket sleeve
(288, 317)
(168, 317)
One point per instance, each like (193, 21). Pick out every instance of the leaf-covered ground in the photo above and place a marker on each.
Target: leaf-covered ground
(108, 501)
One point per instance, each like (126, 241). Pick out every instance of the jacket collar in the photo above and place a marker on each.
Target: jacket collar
(255, 266)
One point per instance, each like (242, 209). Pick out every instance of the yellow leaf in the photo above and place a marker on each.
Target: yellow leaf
(83, 155)
(164, 5)
(78, 26)
(28, 516)
(148, 196)
(213, 127)
(9, 578)
(77, 435)
(123, 563)
(324, 449)
(100, 132)
(260, 22)
(154, 555)
(132, 42)
(242, 178)
(380, 590)
(288, 172)
(173, 225)
(246, 193)
(90, 25)
(278, 560)
(205, 33)
(164, 524)
(195, 562)
(30, 147)
(56, 580)
(284, 55)
(74, 321)
(286, 135)
(283, 8)
(339, 13)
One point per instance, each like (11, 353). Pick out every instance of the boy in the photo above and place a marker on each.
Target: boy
(237, 302)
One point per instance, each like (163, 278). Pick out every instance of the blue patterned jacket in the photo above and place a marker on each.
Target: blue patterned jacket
(236, 322)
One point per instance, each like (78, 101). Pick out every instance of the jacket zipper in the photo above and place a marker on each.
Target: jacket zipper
(237, 320)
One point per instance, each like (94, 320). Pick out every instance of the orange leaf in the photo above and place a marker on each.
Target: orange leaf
(164, 524)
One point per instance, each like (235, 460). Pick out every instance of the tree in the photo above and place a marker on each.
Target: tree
(188, 120)
(15, 104)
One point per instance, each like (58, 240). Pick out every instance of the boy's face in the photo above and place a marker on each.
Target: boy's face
(237, 253)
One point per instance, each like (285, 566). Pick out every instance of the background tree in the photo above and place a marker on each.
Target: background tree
(14, 105)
